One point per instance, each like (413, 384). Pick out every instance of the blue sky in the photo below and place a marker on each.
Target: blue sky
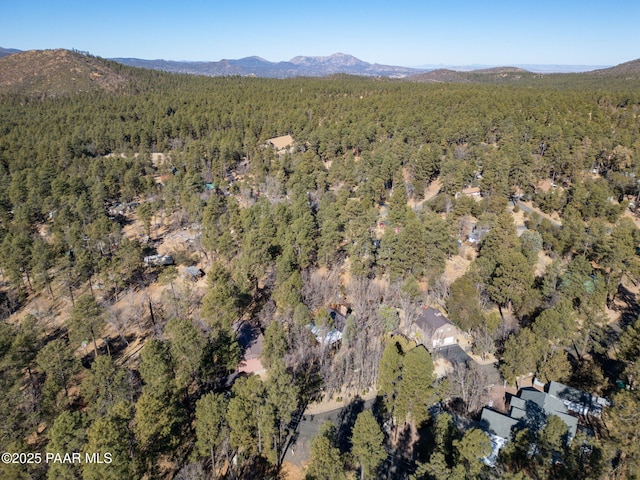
(408, 33)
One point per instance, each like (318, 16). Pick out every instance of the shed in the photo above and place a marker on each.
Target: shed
(158, 260)
(193, 273)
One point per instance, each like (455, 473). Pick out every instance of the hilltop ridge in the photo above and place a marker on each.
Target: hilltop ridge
(631, 68)
(57, 72)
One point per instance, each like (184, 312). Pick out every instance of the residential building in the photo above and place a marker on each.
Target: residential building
(531, 409)
(578, 401)
(158, 260)
(282, 144)
(433, 329)
(331, 333)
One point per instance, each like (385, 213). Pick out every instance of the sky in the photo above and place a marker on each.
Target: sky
(405, 33)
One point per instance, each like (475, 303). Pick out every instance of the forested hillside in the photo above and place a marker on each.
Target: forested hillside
(510, 208)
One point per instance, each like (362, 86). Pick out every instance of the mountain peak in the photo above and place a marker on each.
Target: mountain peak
(336, 59)
(255, 58)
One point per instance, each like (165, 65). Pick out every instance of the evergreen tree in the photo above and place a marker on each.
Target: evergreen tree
(87, 321)
(211, 428)
(390, 373)
(281, 401)
(415, 392)
(113, 435)
(325, 461)
(106, 386)
(156, 424)
(471, 449)
(368, 444)
(250, 421)
(58, 363)
(275, 344)
(187, 347)
(67, 435)
(463, 304)
(522, 354)
(156, 369)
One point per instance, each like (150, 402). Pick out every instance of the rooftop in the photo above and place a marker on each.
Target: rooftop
(530, 409)
(576, 400)
(282, 142)
(431, 319)
(497, 423)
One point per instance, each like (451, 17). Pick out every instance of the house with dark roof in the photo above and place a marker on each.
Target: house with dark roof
(498, 426)
(577, 401)
(530, 409)
(433, 329)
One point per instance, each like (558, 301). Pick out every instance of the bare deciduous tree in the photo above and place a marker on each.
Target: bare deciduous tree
(439, 292)
(320, 289)
(117, 320)
(469, 383)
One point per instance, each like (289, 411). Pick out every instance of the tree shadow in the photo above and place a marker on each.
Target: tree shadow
(11, 300)
(631, 310)
(424, 443)
(118, 345)
(404, 443)
(345, 422)
(257, 467)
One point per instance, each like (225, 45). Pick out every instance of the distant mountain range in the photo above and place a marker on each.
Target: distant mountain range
(60, 72)
(7, 51)
(530, 67)
(300, 66)
(315, 67)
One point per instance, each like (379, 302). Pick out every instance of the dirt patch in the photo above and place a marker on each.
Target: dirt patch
(632, 216)
(433, 189)
(518, 217)
(613, 316)
(442, 367)
(158, 159)
(341, 400)
(543, 262)
(289, 471)
(498, 397)
(458, 265)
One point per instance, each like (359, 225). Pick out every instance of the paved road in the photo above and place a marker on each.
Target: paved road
(343, 418)
(453, 353)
